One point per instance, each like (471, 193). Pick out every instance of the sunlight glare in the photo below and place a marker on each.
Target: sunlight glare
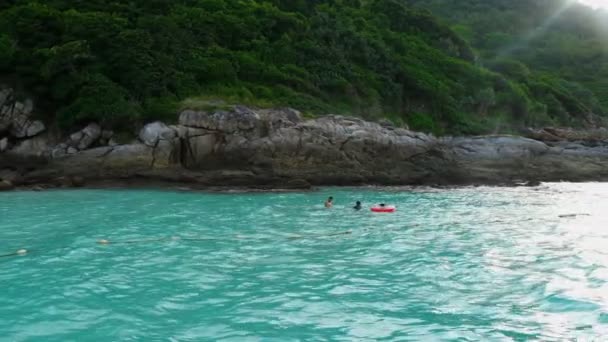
(595, 3)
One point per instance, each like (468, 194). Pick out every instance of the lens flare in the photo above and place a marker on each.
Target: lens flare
(603, 4)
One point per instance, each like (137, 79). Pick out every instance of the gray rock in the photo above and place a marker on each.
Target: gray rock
(28, 107)
(58, 152)
(76, 137)
(23, 127)
(37, 146)
(112, 142)
(3, 144)
(240, 119)
(91, 134)
(154, 132)
(72, 150)
(198, 149)
(35, 128)
(244, 146)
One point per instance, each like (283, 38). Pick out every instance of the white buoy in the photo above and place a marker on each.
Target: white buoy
(22, 252)
(103, 242)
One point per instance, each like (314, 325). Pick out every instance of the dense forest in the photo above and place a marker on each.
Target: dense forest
(123, 63)
(562, 42)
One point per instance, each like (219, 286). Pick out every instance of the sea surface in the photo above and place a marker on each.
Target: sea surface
(467, 264)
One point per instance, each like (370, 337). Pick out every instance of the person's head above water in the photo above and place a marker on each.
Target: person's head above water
(358, 203)
(330, 199)
(382, 204)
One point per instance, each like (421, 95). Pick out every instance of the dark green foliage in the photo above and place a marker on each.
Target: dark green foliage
(556, 51)
(100, 100)
(126, 62)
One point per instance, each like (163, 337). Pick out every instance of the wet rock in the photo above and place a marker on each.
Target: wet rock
(532, 183)
(298, 184)
(6, 185)
(77, 181)
(11, 176)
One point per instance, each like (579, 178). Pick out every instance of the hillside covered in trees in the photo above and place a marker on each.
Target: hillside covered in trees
(561, 42)
(123, 63)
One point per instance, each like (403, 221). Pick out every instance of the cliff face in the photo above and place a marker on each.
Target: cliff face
(277, 148)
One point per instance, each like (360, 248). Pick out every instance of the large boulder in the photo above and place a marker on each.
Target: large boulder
(80, 140)
(90, 135)
(154, 132)
(23, 127)
(16, 116)
(37, 146)
(195, 144)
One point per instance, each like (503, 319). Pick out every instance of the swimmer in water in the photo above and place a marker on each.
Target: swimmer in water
(329, 203)
(358, 206)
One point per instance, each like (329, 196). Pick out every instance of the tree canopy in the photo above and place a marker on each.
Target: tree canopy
(126, 62)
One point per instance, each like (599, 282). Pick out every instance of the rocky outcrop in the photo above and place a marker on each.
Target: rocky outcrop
(278, 148)
(16, 116)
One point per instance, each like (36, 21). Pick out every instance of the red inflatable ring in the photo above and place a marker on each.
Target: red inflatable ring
(387, 209)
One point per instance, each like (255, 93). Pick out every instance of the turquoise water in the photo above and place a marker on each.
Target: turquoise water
(464, 264)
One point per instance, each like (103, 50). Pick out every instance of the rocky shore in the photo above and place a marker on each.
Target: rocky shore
(277, 148)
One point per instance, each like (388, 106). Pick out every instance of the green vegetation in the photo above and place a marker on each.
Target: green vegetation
(556, 51)
(126, 62)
